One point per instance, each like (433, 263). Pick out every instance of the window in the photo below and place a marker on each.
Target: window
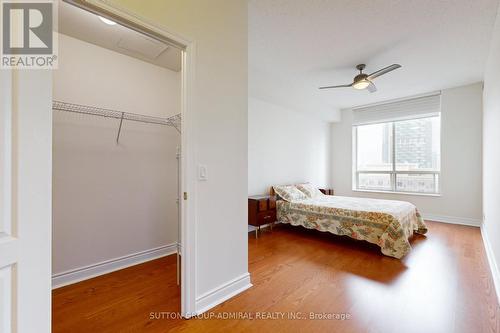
(398, 156)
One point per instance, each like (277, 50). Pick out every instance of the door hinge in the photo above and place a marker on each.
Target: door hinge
(185, 195)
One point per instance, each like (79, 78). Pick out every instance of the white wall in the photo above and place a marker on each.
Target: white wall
(461, 139)
(110, 200)
(92, 75)
(285, 147)
(491, 155)
(219, 127)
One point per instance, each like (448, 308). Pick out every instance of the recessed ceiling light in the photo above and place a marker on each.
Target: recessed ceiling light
(107, 21)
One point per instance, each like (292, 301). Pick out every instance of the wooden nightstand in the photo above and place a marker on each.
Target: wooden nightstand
(261, 210)
(327, 191)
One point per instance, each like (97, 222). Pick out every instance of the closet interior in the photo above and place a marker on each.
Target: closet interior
(116, 150)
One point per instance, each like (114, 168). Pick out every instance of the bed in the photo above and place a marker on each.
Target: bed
(387, 223)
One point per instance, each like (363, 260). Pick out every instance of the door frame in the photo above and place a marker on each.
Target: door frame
(145, 26)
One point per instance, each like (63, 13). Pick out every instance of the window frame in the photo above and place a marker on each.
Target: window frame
(393, 173)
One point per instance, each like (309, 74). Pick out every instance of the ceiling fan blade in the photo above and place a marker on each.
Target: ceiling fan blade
(371, 88)
(340, 86)
(383, 71)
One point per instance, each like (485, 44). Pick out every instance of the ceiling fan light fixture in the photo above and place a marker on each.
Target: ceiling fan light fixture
(365, 81)
(361, 84)
(107, 21)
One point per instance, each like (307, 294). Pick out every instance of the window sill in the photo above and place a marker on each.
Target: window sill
(400, 193)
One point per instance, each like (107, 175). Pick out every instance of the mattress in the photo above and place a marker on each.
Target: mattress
(387, 223)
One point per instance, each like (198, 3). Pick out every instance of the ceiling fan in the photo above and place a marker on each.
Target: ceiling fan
(364, 81)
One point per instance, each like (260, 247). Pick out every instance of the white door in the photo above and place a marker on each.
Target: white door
(25, 200)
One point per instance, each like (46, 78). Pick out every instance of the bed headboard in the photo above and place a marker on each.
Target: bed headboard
(271, 191)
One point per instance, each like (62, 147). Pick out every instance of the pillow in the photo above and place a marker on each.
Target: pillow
(289, 192)
(309, 190)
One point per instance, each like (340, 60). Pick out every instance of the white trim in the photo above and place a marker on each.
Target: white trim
(222, 293)
(398, 193)
(6, 153)
(108, 266)
(188, 184)
(490, 255)
(453, 219)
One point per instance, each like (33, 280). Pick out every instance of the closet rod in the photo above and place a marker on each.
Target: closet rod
(174, 121)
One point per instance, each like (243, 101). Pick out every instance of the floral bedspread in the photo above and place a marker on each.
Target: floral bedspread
(387, 223)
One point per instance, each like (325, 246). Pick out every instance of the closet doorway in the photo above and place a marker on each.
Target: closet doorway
(117, 167)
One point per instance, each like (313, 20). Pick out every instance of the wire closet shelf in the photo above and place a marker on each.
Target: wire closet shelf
(174, 121)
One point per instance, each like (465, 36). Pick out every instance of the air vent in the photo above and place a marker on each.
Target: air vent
(142, 45)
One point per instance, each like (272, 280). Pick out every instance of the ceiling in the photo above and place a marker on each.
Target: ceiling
(296, 46)
(83, 25)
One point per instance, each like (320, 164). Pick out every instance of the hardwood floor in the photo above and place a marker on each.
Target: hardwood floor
(444, 285)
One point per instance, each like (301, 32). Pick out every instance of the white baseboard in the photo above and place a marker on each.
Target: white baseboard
(222, 293)
(495, 273)
(108, 266)
(453, 219)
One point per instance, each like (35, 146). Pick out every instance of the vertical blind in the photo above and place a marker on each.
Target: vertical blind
(419, 107)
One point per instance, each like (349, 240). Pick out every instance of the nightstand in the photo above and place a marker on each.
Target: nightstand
(327, 191)
(261, 211)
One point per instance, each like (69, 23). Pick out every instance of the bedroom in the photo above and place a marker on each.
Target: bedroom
(418, 139)
(295, 206)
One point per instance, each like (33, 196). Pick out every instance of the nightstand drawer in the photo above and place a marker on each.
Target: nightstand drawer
(266, 217)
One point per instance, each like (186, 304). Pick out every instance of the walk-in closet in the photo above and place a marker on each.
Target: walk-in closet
(116, 150)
